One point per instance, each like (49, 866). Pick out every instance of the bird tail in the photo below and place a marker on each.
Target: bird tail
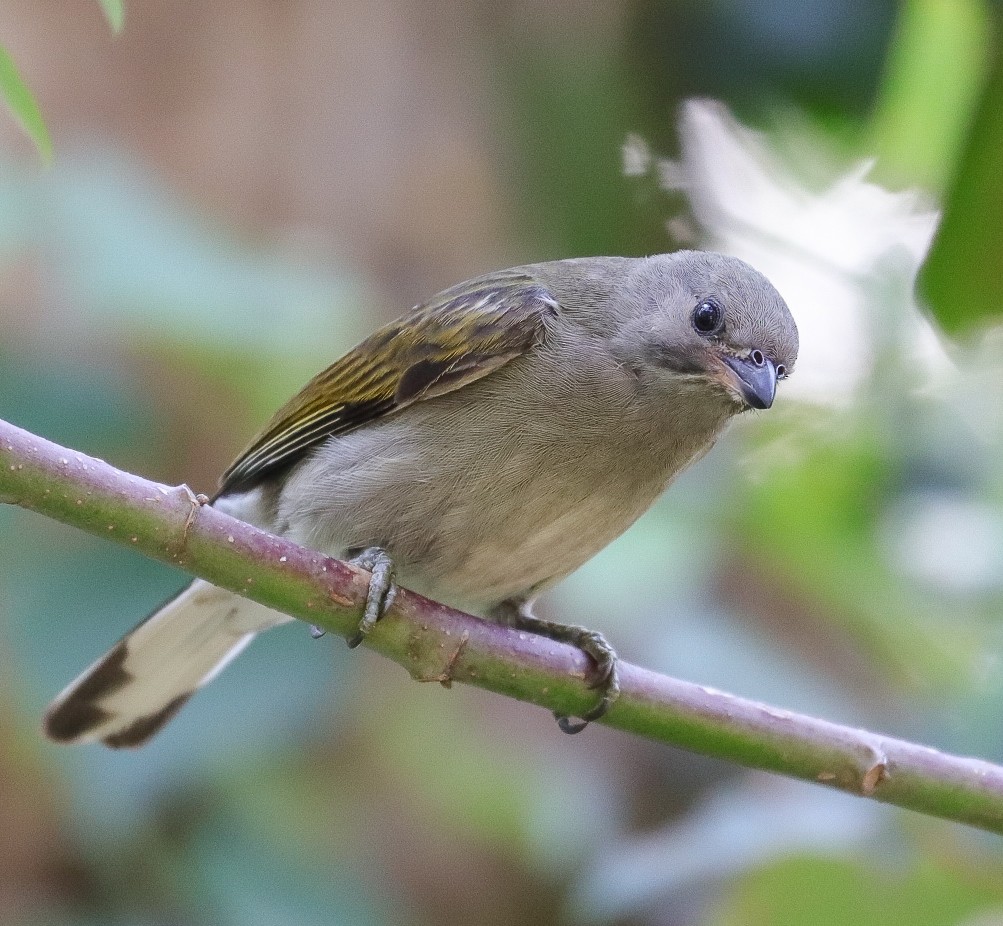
(130, 693)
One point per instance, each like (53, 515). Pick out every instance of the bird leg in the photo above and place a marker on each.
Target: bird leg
(379, 597)
(606, 679)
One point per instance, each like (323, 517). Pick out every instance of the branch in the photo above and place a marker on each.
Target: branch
(437, 644)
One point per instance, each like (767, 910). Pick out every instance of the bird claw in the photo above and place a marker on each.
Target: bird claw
(381, 589)
(604, 677)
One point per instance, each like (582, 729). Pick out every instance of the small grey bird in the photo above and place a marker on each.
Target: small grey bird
(478, 450)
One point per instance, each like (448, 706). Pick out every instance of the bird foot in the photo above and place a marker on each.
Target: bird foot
(604, 677)
(381, 589)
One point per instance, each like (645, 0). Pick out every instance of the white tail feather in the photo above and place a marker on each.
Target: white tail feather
(131, 692)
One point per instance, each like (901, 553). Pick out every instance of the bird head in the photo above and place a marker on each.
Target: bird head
(713, 322)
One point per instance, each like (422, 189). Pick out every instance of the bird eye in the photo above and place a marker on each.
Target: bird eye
(781, 371)
(708, 317)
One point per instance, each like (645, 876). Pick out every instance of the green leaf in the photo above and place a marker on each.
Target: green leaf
(22, 104)
(961, 282)
(114, 12)
(936, 69)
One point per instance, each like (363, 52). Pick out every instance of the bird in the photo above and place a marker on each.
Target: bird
(477, 450)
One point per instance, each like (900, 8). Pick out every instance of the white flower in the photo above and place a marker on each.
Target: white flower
(845, 257)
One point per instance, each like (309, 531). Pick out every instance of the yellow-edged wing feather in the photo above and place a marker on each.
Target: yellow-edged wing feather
(463, 334)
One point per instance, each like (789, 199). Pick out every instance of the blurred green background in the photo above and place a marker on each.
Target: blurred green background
(241, 190)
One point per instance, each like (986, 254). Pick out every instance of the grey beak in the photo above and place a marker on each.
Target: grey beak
(757, 377)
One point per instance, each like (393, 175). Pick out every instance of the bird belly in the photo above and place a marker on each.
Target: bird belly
(532, 545)
(468, 525)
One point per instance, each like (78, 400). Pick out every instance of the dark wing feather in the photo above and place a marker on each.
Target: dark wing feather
(463, 334)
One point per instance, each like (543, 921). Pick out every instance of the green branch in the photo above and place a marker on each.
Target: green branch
(436, 643)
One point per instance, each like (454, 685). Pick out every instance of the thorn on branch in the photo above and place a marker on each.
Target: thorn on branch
(876, 774)
(196, 502)
(445, 677)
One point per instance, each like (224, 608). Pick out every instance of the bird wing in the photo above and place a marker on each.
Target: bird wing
(464, 333)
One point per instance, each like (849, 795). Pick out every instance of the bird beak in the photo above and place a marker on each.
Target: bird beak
(757, 378)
